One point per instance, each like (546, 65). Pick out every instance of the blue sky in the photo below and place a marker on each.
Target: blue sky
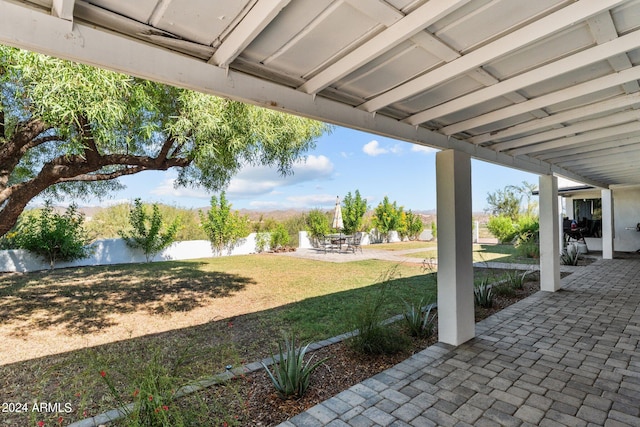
(343, 161)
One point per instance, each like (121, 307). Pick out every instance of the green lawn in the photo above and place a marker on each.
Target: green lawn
(211, 312)
(481, 253)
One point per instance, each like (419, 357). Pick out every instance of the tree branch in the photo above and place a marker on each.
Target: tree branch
(104, 176)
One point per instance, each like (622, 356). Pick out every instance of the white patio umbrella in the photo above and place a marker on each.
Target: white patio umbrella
(337, 216)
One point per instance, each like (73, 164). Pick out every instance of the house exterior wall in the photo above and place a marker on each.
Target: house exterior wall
(626, 214)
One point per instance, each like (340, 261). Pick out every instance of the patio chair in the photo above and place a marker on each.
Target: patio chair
(354, 243)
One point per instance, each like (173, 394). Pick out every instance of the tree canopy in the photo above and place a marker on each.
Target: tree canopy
(71, 129)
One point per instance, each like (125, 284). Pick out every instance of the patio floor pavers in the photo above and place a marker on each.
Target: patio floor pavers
(567, 358)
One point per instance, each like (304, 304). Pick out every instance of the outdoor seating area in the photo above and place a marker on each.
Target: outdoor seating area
(341, 242)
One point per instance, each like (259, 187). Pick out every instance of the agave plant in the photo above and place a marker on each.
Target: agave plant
(570, 256)
(483, 294)
(419, 319)
(291, 374)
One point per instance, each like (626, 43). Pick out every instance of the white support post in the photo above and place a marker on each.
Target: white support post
(549, 234)
(456, 322)
(607, 224)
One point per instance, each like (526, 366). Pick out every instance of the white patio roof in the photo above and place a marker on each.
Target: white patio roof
(546, 86)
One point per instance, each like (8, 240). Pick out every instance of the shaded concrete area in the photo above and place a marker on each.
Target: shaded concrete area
(566, 358)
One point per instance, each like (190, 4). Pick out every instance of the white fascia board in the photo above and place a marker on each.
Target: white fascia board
(118, 53)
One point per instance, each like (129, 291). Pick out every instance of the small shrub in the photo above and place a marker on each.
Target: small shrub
(279, 237)
(262, 241)
(223, 226)
(317, 224)
(53, 236)
(502, 228)
(373, 336)
(483, 294)
(291, 374)
(149, 233)
(419, 319)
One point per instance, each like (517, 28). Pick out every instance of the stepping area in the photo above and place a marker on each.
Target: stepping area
(568, 358)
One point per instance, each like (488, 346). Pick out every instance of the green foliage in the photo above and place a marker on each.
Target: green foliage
(279, 237)
(483, 294)
(107, 223)
(353, 210)
(502, 227)
(121, 121)
(413, 225)
(434, 230)
(387, 216)
(224, 227)
(262, 240)
(149, 233)
(570, 255)
(374, 336)
(54, 236)
(317, 223)
(517, 278)
(419, 319)
(505, 203)
(293, 226)
(155, 391)
(291, 374)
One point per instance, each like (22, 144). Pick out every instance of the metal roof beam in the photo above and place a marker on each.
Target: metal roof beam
(597, 145)
(581, 59)
(572, 141)
(395, 34)
(565, 17)
(563, 117)
(581, 89)
(107, 50)
(256, 20)
(577, 128)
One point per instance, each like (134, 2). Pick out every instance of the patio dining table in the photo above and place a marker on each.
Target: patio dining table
(337, 240)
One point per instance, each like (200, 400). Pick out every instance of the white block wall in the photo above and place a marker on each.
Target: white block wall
(115, 251)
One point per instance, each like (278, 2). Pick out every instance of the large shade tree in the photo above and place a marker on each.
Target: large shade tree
(69, 130)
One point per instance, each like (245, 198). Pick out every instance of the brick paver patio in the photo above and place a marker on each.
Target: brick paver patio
(569, 358)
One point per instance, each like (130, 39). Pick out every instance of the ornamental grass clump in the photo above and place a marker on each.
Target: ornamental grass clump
(153, 397)
(372, 334)
(419, 319)
(483, 294)
(291, 374)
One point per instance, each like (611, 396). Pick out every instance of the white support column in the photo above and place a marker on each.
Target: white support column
(549, 234)
(456, 323)
(607, 224)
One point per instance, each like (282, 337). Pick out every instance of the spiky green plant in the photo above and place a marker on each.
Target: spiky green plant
(483, 294)
(291, 374)
(419, 319)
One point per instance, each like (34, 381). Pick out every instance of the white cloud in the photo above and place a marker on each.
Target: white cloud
(373, 148)
(422, 149)
(312, 200)
(167, 188)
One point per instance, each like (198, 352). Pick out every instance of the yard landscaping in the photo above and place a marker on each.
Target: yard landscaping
(62, 328)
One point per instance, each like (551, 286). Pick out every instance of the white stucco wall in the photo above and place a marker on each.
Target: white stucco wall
(115, 251)
(626, 214)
